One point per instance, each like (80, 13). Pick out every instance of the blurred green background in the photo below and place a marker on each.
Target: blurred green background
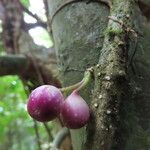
(16, 127)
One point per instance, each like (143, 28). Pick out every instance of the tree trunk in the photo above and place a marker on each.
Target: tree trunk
(85, 37)
(78, 32)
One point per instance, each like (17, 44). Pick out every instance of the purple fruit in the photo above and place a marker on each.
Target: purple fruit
(75, 111)
(44, 103)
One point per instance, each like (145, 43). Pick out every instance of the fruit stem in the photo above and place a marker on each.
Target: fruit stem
(70, 88)
(86, 79)
(78, 86)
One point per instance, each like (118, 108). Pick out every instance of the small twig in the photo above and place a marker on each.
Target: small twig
(30, 13)
(126, 28)
(48, 132)
(37, 134)
(60, 136)
(28, 26)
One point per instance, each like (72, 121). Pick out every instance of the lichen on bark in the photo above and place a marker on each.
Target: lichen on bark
(116, 118)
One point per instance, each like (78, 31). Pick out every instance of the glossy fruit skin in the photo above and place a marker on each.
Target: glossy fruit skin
(44, 103)
(75, 112)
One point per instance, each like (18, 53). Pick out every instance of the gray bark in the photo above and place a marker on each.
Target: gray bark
(120, 119)
(78, 31)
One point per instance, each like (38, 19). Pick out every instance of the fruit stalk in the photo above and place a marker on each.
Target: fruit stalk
(80, 85)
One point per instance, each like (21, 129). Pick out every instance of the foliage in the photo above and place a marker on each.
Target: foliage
(16, 127)
(25, 2)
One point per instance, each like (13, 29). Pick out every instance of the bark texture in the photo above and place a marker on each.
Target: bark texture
(78, 32)
(117, 113)
(112, 91)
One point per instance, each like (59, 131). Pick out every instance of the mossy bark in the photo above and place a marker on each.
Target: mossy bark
(84, 37)
(112, 91)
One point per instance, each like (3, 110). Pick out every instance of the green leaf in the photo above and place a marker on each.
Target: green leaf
(25, 3)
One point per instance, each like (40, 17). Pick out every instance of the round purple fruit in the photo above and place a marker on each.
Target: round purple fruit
(75, 111)
(44, 103)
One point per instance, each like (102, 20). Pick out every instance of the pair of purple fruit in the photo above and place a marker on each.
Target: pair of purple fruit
(46, 102)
